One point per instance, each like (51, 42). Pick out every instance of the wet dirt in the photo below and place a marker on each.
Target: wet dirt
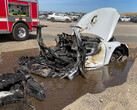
(10, 59)
(61, 92)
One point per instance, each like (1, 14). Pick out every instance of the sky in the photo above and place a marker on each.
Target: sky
(87, 5)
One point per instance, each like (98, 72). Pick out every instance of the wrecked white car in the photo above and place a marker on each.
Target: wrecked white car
(73, 54)
(104, 48)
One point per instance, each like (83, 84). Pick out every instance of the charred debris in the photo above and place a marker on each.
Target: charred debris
(65, 60)
(72, 55)
(15, 86)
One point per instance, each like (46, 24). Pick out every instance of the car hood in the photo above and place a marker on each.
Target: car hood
(101, 22)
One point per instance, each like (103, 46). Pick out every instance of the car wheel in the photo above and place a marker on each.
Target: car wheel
(52, 19)
(20, 32)
(67, 20)
(116, 56)
(113, 58)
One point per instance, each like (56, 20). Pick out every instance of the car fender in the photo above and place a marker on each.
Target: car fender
(67, 18)
(110, 48)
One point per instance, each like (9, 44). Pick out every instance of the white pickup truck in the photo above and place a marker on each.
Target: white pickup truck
(59, 17)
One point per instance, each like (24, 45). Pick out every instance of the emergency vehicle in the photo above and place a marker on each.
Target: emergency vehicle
(17, 17)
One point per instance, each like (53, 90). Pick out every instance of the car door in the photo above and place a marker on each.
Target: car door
(61, 17)
(57, 17)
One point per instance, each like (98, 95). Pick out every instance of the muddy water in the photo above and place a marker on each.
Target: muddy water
(10, 59)
(61, 92)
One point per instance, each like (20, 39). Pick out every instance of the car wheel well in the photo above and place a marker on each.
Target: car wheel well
(120, 51)
(52, 19)
(123, 49)
(67, 20)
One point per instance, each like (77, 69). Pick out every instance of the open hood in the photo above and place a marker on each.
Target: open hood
(101, 22)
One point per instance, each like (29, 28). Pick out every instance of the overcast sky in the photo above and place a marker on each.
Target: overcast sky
(87, 5)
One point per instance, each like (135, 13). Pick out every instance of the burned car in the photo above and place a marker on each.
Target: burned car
(102, 23)
(73, 54)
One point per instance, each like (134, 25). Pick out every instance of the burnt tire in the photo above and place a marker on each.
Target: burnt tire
(20, 32)
(52, 19)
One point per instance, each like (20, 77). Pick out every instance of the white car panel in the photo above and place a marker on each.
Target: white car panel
(96, 61)
(101, 22)
(110, 47)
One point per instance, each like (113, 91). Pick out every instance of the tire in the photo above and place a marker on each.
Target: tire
(20, 32)
(67, 20)
(52, 19)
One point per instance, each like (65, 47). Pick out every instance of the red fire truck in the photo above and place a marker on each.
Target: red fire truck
(17, 17)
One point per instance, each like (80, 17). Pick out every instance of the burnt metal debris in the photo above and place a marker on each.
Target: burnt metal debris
(65, 60)
(15, 86)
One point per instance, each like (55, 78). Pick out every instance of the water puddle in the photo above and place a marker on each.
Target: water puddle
(61, 92)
